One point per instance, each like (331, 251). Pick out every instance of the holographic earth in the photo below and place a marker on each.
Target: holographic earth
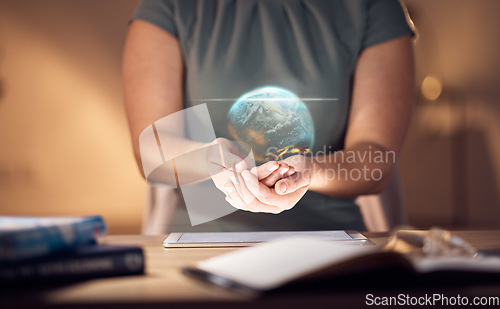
(274, 122)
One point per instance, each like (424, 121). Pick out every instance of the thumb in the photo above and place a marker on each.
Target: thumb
(291, 184)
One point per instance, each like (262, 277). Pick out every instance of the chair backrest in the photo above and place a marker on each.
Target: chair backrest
(384, 211)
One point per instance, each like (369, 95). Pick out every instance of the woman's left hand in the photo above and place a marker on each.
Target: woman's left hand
(253, 195)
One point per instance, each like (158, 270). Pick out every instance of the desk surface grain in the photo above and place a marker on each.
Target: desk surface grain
(164, 283)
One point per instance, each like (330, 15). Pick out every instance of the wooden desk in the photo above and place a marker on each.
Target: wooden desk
(165, 284)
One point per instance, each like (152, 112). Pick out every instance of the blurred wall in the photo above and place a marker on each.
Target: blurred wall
(64, 144)
(451, 162)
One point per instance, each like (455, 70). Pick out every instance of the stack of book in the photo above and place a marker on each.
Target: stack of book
(62, 247)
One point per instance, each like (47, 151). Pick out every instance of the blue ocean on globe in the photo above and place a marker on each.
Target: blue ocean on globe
(273, 121)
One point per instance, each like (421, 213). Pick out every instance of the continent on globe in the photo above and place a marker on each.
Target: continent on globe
(273, 121)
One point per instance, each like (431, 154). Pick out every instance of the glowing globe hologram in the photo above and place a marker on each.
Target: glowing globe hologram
(275, 122)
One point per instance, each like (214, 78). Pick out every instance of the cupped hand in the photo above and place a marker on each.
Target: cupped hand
(225, 156)
(248, 193)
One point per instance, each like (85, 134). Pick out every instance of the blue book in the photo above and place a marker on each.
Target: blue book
(83, 262)
(23, 238)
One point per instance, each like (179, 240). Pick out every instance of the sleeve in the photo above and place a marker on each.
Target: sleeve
(159, 13)
(385, 20)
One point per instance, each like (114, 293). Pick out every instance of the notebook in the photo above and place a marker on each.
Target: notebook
(284, 262)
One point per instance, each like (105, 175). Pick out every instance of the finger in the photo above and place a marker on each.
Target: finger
(221, 179)
(266, 169)
(276, 175)
(255, 205)
(265, 202)
(260, 191)
(258, 206)
(293, 183)
(233, 197)
(233, 203)
(290, 172)
(228, 189)
(269, 196)
(242, 189)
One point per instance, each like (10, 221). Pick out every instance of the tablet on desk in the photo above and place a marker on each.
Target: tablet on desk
(243, 239)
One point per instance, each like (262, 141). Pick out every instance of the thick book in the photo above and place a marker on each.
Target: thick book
(23, 238)
(284, 262)
(84, 262)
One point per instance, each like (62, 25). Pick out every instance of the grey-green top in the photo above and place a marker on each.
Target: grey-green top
(308, 47)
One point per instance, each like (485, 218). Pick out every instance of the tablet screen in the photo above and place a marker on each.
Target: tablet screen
(251, 237)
